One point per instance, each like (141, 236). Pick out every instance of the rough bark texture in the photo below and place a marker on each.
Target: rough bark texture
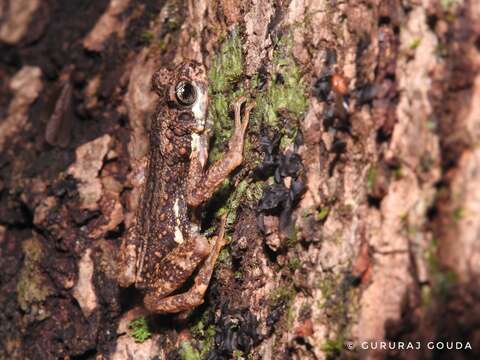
(373, 105)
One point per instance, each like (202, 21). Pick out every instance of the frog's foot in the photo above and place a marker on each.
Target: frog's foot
(236, 141)
(195, 295)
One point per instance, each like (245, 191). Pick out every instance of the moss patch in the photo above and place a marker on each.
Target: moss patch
(283, 96)
(286, 91)
(33, 286)
(371, 177)
(442, 281)
(322, 214)
(227, 68)
(205, 336)
(224, 88)
(333, 347)
(187, 352)
(339, 300)
(138, 329)
(282, 295)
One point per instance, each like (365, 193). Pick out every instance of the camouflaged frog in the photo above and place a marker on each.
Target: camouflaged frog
(163, 246)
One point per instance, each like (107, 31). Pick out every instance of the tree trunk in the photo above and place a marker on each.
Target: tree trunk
(352, 222)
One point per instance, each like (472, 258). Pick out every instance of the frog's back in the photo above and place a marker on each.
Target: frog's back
(162, 221)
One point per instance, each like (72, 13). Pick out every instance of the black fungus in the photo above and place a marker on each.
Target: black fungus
(338, 147)
(274, 197)
(270, 149)
(285, 222)
(262, 78)
(235, 332)
(330, 57)
(298, 140)
(328, 117)
(366, 94)
(277, 198)
(297, 188)
(322, 87)
(290, 164)
(279, 79)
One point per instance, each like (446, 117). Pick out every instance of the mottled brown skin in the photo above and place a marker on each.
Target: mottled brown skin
(163, 247)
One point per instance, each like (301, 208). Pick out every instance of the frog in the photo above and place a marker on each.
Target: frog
(164, 247)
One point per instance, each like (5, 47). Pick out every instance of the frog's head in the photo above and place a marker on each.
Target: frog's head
(186, 88)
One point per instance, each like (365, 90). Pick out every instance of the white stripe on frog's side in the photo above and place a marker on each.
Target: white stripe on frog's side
(199, 110)
(178, 232)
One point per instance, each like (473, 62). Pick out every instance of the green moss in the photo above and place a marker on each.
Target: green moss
(205, 337)
(238, 275)
(295, 263)
(333, 347)
(235, 201)
(291, 314)
(327, 287)
(339, 300)
(371, 177)
(139, 330)
(146, 37)
(322, 214)
(441, 50)
(443, 281)
(227, 67)
(292, 238)
(448, 4)
(282, 294)
(285, 94)
(415, 43)
(431, 125)
(224, 89)
(458, 214)
(336, 298)
(245, 193)
(254, 191)
(33, 286)
(237, 354)
(224, 256)
(187, 352)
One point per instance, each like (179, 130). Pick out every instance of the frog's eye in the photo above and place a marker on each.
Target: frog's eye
(185, 93)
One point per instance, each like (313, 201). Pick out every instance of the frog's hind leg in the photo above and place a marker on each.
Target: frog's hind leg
(175, 269)
(194, 296)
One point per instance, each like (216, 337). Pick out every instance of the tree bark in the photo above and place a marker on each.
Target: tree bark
(352, 222)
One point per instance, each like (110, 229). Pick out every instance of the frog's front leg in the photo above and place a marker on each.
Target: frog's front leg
(200, 185)
(195, 295)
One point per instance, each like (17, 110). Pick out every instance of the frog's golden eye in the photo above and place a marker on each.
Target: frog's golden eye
(185, 93)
